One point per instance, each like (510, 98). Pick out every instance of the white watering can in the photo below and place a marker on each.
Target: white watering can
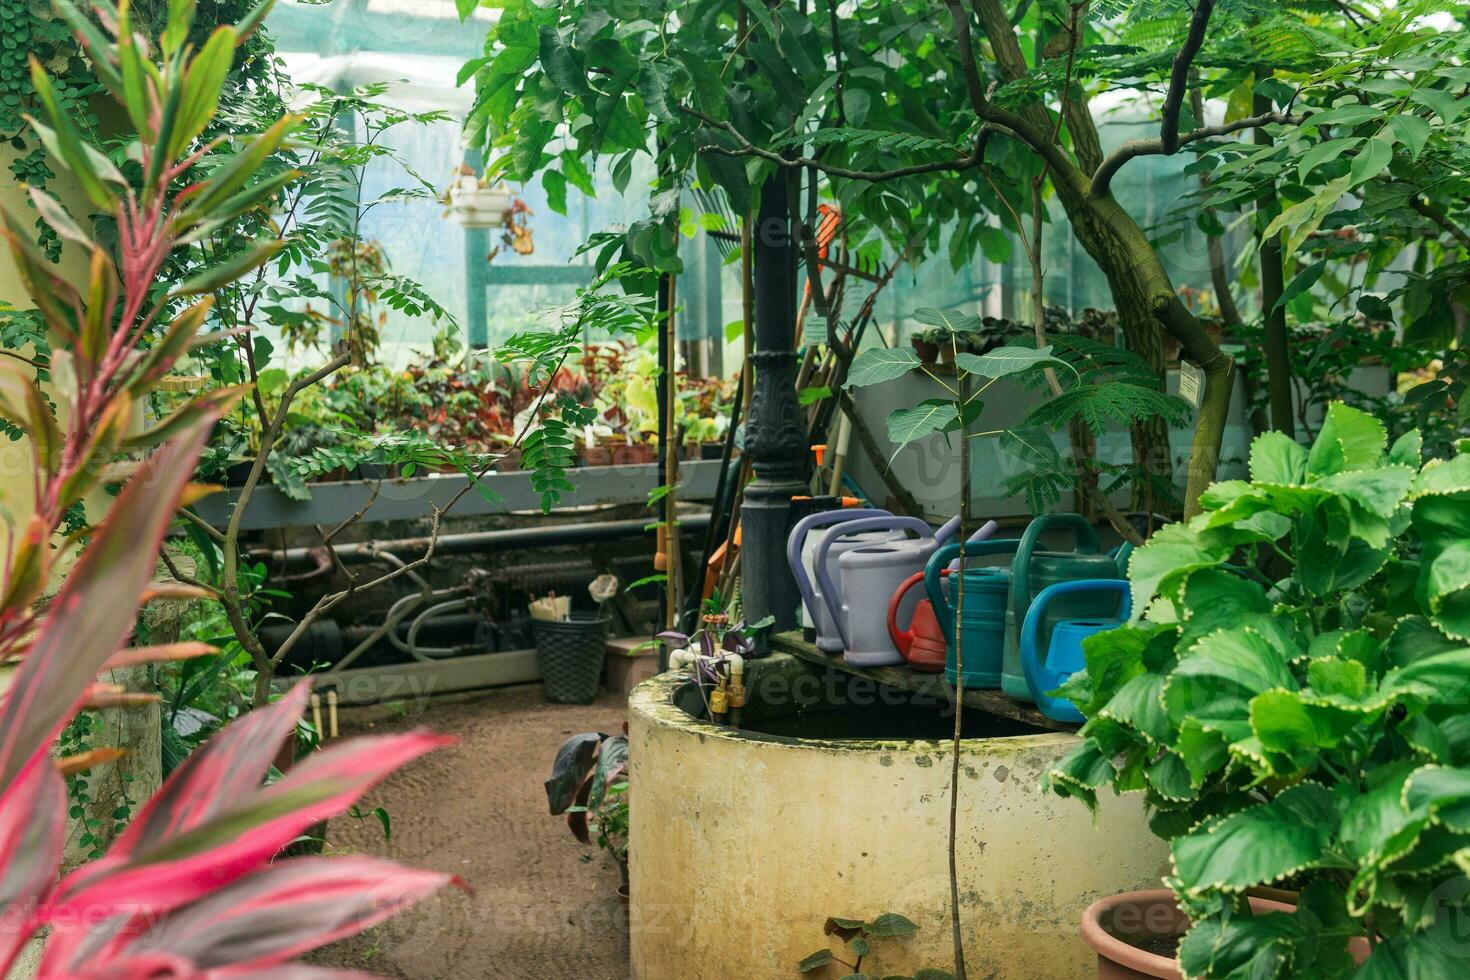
(801, 550)
(866, 577)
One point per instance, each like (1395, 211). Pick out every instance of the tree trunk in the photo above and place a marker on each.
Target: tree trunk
(1273, 284)
(1139, 282)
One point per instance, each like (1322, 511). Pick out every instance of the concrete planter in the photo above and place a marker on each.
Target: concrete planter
(742, 843)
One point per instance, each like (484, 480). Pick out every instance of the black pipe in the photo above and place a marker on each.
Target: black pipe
(477, 541)
(722, 509)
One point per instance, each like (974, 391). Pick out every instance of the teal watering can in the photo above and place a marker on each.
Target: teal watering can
(1035, 570)
(1063, 656)
(982, 622)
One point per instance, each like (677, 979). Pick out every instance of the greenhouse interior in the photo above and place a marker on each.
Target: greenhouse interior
(905, 490)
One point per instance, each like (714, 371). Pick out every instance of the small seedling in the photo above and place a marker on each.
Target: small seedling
(858, 936)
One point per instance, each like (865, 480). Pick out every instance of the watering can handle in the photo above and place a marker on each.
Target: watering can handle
(797, 538)
(819, 563)
(1125, 552)
(902, 638)
(1039, 677)
(1080, 527)
(940, 560)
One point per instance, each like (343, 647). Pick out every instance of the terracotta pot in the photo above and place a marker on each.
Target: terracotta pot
(1112, 927)
(598, 455)
(927, 352)
(634, 453)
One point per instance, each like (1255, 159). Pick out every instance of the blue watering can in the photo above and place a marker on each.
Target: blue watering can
(1063, 656)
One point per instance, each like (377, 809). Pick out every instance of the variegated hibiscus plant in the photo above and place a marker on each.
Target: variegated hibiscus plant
(1292, 700)
(193, 887)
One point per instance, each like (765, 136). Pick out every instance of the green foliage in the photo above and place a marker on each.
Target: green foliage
(1108, 386)
(1289, 699)
(858, 936)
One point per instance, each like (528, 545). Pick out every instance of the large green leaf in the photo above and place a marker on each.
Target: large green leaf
(928, 417)
(1350, 440)
(1262, 844)
(880, 364)
(1277, 458)
(1447, 589)
(1170, 556)
(1216, 682)
(952, 320)
(1299, 725)
(1242, 947)
(1009, 360)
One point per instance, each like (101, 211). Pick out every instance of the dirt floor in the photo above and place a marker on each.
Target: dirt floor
(544, 907)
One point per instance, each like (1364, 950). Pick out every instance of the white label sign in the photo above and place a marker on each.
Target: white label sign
(1191, 383)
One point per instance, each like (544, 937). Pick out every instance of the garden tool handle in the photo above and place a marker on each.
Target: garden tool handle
(829, 588)
(797, 538)
(1039, 677)
(1081, 529)
(902, 638)
(939, 562)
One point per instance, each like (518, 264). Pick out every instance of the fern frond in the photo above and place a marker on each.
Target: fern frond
(1098, 405)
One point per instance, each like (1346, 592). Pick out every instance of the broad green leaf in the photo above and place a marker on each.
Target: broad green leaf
(1278, 458)
(1349, 440)
(1245, 946)
(1448, 590)
(1215, 683)
(1258, 845)
(1139, 705)
(1431, 954)
(1352, 114)
(952, 320)
(1372, 160)
(1170, 555)
(1299, 725)
(1381, 491)
(1445, 105)
(891, 924)
(881, 364)
(1079, 773)
(1410, 130)
(1010, 360)
(1324, 153)
(1215, 598)
(1302, 282)
(1407, 450)
(908, 424)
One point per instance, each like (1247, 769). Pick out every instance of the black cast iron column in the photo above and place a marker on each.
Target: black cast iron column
(774, 436)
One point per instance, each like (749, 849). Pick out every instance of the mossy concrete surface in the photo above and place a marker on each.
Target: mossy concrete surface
(742, 846)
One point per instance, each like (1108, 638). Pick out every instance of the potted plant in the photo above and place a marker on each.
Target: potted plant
(1290, 699)
(475, 201)
(589, 783)
(926, 345)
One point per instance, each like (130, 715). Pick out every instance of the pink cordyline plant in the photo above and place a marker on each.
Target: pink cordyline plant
(193, 887)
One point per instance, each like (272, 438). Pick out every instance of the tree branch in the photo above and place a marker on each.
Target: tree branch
(1440, 218)
(1179, 77)
(1102, 180)
(749, 149)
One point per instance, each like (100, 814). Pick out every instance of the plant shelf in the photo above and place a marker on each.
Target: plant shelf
(410, 499)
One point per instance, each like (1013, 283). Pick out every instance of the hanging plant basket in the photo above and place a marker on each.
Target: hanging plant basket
(477, 206)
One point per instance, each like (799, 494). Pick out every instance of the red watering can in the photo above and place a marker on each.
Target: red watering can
(923, 645)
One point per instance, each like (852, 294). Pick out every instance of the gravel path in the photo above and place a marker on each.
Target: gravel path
(544, 907)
